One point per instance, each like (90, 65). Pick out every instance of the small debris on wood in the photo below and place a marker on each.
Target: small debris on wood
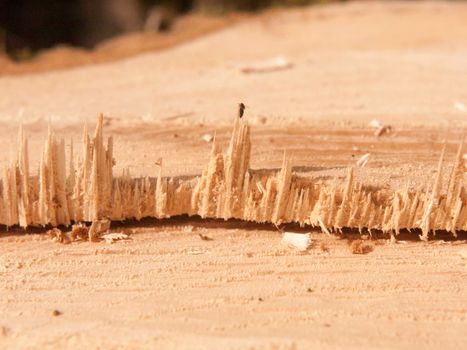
(379, 127)
(158, 162)
(309, 290)
(376, 124)
(58, 236)
(79, 231)
(195, 252)
(363, 160)
(460, 106)
(260, 187)
(204, 237)
(360, 247)
(299, 241)
(113, 237)
(274, 64)
(323, 247)
(382, 130)
(98, 227)
(207, 138)
(56, 313)
(107, 120)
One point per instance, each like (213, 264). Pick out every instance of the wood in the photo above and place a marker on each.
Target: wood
(226, 189)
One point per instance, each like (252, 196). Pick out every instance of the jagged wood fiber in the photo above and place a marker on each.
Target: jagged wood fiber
(227, 188)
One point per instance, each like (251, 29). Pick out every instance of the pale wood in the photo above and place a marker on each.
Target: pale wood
(227, 188)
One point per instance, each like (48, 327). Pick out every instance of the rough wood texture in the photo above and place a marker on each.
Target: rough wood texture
(227, 188)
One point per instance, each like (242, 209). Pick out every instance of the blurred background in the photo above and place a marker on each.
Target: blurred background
(29, 26)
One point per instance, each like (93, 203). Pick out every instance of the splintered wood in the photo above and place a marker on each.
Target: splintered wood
(88, 190)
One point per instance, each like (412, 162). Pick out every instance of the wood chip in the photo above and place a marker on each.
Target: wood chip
(207, 138)
(299, 241)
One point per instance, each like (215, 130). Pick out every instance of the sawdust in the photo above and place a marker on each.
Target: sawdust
(58, 236)
(97, 229)
(79, 231)
(360, 247)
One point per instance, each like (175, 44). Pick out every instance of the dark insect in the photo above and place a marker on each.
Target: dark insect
(241, 109)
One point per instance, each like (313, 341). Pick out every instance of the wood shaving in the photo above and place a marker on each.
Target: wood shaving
(363, 160)
(195, 252)
(113, 237)
(274, 64)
